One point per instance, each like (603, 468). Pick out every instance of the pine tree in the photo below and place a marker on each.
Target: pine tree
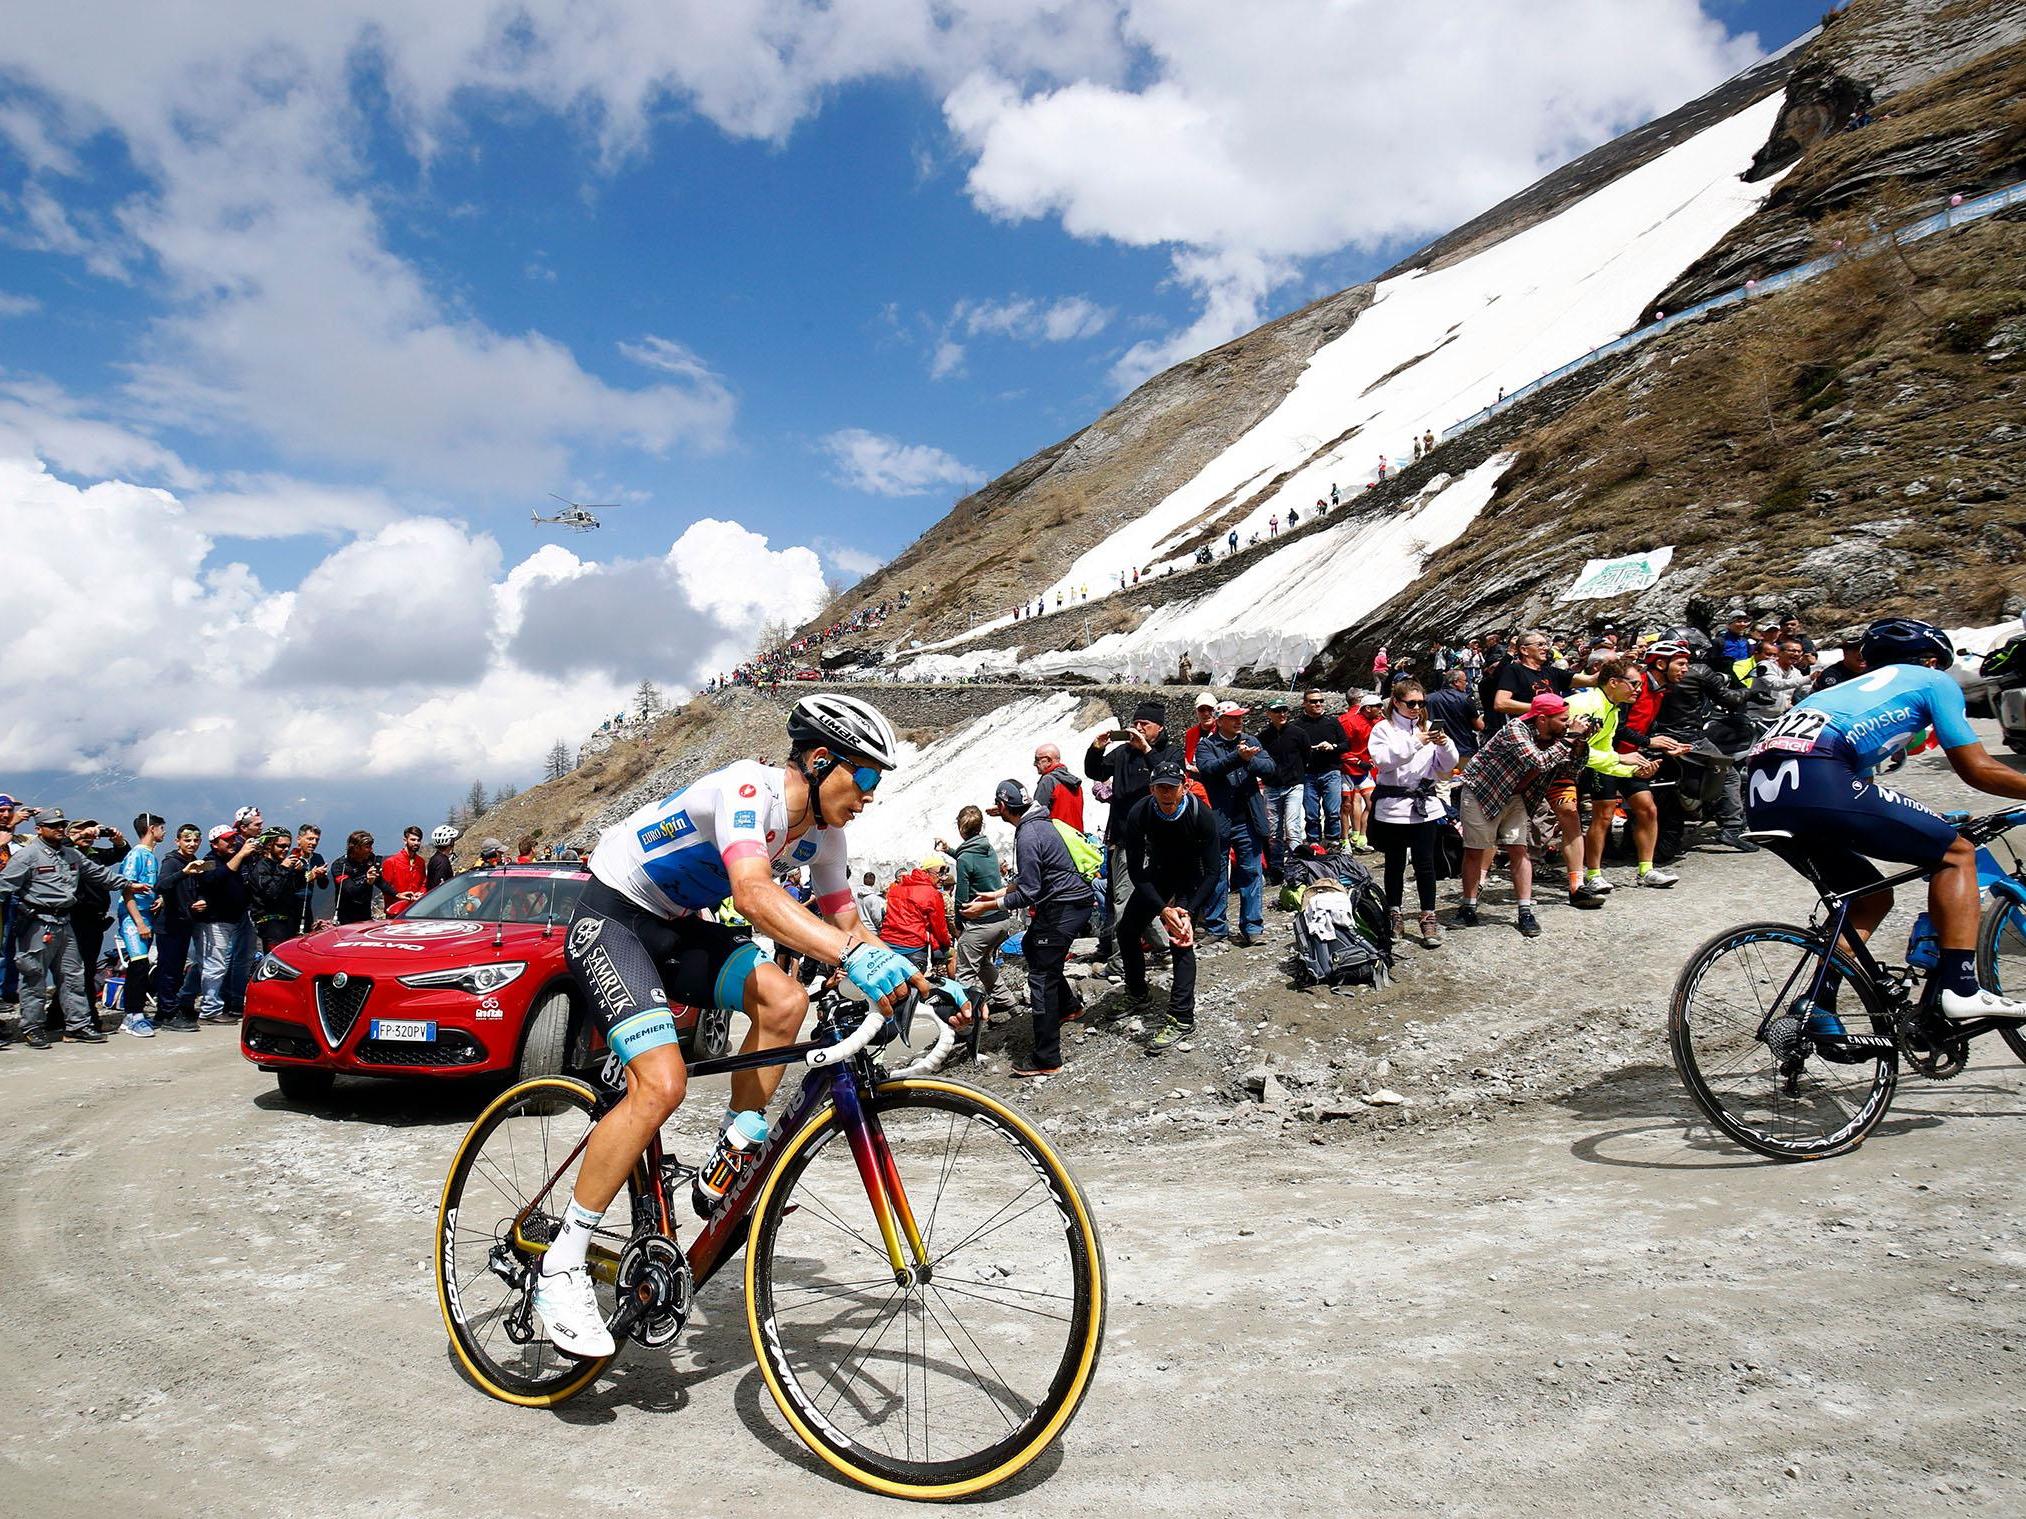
(474, 801)
(558, 763)
(646, 699)
(501, 795)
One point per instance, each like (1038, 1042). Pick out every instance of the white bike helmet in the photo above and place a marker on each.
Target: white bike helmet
(845, 724)
(444, 834)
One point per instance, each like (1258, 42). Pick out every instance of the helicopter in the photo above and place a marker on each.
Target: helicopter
(574, 517)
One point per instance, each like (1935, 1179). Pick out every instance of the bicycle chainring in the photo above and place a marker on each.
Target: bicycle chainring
(1931, 1048)
(654, 1282)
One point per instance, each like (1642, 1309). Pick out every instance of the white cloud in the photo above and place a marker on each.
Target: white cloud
(39, 419)
(856, 563)
(276, 506)
(406, 652)
(1020, 318)
(17, 305)
(1301, 128)
(883, 466)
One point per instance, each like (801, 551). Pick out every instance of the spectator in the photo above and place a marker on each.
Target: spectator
(355, 879)
(1502, 784)
(1171, 842)
(1285, 788)
(45, 875)
(12, 815)
(1362, 709)
(1323, 743)
(917, 920)
(1454, 709)
(1047, 883)
(1790, 627)
(1737, 640)
(219, 904)
(136, 919)
(1057, 787)
(984, 928)
(1231, 541)
(1619, 778)
(442, 863)
(175, 929)
(316, 872)
(1409, 757)
(871, 902)
(1848, 665)
(1128, 770)
(407, 872)
(92, 915)
(1527, 674)
(491, 853)
(1778, 682)
(1206, 719)
(524, 849)
(274, 889)
(1232, 767)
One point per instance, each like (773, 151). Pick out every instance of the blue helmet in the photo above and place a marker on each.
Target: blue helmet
(1905, 641)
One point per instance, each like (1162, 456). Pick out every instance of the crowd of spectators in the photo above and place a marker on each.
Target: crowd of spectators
(166, 932)
(800, 658)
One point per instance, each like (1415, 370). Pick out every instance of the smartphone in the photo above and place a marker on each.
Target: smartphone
(1121, 735)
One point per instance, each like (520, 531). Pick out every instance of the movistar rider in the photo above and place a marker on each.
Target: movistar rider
(637, 940)
(1812, 775)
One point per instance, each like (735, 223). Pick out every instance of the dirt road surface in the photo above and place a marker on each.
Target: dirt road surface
(219, 1304)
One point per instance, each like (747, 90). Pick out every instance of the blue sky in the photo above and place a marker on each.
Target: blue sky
(358, 288)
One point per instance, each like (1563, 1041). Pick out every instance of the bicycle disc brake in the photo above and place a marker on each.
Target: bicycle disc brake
(654, 1289)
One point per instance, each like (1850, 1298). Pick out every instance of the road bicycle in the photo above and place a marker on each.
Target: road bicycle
(1785, 1077)
(926, 1340)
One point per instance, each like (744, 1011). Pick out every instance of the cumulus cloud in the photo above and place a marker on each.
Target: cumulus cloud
(39, 419)
(1020, 318)
(883, 466)
(407, 651)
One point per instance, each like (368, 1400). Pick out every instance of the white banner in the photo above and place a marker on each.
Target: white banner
(1615, 577)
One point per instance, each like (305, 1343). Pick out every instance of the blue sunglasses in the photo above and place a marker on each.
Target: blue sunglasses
(865, 778)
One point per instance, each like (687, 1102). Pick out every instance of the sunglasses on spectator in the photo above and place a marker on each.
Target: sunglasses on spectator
(1403, 702)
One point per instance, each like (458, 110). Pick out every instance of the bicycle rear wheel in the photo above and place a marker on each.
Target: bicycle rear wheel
(507, 1158)
(2001, 960)
(936, 1388)
(1789, 1096)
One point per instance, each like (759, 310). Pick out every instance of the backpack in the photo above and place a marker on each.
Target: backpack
(1084, 855)
(1328, 949)
(1368, 902)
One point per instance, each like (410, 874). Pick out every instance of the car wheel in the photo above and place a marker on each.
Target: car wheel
(2015, 740)
(302, 1085)
(546, 1041)
(712, 1039)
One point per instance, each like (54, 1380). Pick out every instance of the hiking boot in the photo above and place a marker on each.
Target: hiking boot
(86, 1035)
(1465, 916)
(1586, 895)
(35, 1039)
(1172, 1032)
(1730, 838)
(1250, 941)
(1431, 930)
(1657, 878)
(1529, 924)
(1396, 922)
(1027, 1068)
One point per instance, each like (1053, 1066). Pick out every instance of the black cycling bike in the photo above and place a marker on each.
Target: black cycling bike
(927, 1340)
(1779, 1075)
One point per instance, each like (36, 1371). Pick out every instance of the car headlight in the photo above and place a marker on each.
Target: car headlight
(273, 968)
(476, 979)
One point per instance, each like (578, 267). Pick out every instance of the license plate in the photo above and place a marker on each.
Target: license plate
(403, 1029)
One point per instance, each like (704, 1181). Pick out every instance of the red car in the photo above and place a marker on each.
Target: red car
(468, 981)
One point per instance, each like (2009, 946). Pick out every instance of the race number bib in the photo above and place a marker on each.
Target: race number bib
(1795, 732)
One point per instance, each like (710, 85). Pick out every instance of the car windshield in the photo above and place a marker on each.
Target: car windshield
(508, 897)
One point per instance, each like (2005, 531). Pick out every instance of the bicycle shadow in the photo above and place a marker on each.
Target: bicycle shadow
(658, 1382)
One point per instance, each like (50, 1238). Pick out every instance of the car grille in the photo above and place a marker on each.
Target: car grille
(452, 1047)
(265, 1036)
(338, 1006)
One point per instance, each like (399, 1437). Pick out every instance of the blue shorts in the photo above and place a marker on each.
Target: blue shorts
(1841, 820)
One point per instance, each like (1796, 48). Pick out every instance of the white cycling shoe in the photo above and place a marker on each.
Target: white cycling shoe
(568, 1309)
(1981, 1004)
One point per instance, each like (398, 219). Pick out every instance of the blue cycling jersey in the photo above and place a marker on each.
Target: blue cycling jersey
(1866, 720)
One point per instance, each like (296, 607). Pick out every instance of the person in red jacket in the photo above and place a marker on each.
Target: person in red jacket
(1057, 787)
(407, 872)
(1206, 719)
(917, 920)
(1361, 710)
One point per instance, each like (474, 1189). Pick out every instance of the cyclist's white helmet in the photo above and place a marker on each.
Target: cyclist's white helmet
(846, 724)
(444, 834)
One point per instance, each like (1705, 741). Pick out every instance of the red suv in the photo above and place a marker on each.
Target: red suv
(469, 981)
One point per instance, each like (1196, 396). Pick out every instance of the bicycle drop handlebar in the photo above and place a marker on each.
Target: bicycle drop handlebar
(874, 1022)
(1979, 830)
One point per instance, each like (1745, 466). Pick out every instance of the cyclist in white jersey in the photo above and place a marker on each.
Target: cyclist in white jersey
(637, 940)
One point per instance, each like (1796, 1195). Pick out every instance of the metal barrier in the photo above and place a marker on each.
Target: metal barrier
(1941, 221)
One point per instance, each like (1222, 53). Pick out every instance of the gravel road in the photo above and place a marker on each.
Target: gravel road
(1567, 1301)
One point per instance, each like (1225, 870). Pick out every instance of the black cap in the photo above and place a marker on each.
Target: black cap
(1151, 712)
(1167, 770)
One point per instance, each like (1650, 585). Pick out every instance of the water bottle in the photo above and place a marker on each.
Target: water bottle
(741, 1137)
(1923, 947)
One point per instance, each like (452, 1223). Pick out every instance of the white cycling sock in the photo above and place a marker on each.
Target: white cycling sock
(567, 1253)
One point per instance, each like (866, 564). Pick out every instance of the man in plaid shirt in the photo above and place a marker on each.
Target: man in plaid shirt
(1501, 786)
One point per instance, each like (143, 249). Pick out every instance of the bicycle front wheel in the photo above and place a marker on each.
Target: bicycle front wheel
(951, 1382)
(2001, 960)
(1787, 1095)
(513, 1159)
